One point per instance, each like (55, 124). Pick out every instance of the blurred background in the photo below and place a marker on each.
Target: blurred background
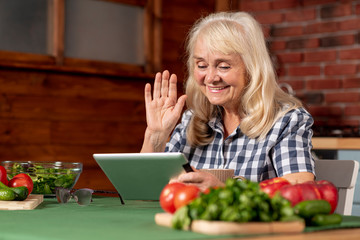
(72, 72)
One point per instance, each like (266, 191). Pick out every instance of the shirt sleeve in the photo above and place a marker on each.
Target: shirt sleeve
(292, 151)
(178, 137)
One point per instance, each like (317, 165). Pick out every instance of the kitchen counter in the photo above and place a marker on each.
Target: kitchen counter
(336, 143)
(106, 218)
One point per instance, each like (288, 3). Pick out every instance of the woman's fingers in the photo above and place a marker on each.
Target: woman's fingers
(161, 85)
(157, 85)
(165, 84)
(180, 104)
(173, 87)
(191, 177)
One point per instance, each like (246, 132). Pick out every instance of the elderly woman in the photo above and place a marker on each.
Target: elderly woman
(237, 117)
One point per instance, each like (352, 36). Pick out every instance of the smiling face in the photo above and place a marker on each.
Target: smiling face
(221, 77)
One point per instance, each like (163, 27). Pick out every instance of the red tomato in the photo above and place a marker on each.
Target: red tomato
(328, 192)
(22, 179)
(167, 196)
(292, 193)
(208, 190)
(3, 175)
(185, 195)
(271, 186)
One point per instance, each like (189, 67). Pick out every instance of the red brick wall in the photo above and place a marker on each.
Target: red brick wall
(316, 44)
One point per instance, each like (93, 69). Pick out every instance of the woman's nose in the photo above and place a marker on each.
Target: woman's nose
(211, 76)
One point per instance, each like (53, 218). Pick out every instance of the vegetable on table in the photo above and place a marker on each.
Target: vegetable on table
(273, 185)
(3, 175)
(7, 195)
(246, 201)
(167, 196)
(326, 219)
(328, 192)
(45, 180)
(20, 180)
(185, 195)
(13, 193)
(297, 193)
(238, 201)
(311, 191)
(317, 213)
(309, 208)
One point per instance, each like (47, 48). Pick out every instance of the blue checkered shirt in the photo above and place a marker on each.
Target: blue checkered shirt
(286, 148)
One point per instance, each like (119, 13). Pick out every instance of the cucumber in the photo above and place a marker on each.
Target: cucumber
(3, 186)
(21, 193)
(7, 195)
(309, 208)
(326, 219)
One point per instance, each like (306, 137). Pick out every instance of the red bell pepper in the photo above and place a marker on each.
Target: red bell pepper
(3, 175)
(296, 193)
(271, 186)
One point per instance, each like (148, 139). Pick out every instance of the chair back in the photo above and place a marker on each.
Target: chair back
(343, 174)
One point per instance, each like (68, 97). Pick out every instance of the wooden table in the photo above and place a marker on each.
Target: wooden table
(106, 218)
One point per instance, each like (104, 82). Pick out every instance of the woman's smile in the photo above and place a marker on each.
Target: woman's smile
(213, 89)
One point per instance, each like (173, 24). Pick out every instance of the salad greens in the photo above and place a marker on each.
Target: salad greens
(45, 179)
(238, 201)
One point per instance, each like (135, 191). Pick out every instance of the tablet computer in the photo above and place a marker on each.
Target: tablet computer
(140, 176)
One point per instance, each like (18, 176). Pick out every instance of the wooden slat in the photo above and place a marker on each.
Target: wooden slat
(8, 58)
(48, 108)
(140, 3)
(153, 36)
(336, 143)
(66, 85)
(58, 30)
(61, 152)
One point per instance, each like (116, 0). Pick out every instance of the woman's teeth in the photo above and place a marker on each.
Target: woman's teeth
(217, 88)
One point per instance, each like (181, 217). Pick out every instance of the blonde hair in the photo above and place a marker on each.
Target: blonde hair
(262, 102)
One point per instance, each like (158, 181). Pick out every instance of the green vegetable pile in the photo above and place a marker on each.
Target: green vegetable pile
(45, 179)
(238, 201)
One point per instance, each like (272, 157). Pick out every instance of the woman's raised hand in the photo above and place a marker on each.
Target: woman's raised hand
(163, 110)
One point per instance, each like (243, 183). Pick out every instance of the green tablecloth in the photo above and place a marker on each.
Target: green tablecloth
(105, 218)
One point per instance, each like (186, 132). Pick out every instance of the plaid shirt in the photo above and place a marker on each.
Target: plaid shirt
(286, 148)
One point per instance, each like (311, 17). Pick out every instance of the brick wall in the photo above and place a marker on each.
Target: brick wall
(316, 46)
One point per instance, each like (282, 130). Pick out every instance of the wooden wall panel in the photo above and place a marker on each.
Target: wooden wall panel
(178, 17)
(49, 116)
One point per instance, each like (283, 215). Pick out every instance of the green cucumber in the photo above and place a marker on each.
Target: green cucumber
(21, 193)
(326, 219)
(309, 208)
(7, 195)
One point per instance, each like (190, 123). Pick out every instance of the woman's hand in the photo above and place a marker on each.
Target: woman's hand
(202, 180)
(163, 111)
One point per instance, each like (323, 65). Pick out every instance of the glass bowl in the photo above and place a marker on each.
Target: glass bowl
(46, 176)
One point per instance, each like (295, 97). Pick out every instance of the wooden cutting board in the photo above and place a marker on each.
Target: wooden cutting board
(221, 228)
(31, 202)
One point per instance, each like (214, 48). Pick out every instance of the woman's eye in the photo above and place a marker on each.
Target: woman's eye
(201, 66)
(224, 67)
